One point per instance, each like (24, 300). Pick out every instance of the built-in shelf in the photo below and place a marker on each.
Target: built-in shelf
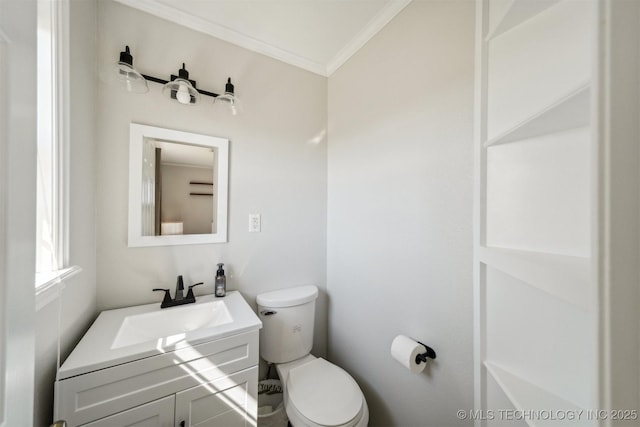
(535, 309)
(569, 112)
(528, 397)
(565, 277)
(518, 12)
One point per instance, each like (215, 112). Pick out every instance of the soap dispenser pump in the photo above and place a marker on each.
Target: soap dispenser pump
(221, 282)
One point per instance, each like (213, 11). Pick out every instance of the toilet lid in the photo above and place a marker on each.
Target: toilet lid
(324, 393)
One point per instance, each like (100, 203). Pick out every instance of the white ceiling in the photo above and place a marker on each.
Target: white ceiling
(316, 35)
(176, 153)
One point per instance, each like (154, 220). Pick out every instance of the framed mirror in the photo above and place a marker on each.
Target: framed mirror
(178, 187)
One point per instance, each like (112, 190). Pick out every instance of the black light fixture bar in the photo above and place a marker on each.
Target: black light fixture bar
(162, 82)
(179, 87)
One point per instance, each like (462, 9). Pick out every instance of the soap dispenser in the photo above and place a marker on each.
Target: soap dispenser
(221, 282)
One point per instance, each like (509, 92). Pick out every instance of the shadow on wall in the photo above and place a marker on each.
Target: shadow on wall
(375, 400)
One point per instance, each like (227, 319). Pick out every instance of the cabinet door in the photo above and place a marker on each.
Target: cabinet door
(230, 401)
(158, 413)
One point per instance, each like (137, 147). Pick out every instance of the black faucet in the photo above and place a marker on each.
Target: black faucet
(179, 289)
(179, 298)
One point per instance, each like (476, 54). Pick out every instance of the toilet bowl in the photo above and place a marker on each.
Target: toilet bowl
(316, 392)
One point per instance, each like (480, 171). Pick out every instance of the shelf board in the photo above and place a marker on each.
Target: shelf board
(526, 396)
(565, 277)
(518, 12)
(569, 112)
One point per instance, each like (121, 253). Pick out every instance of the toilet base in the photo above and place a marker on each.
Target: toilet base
(296, 421)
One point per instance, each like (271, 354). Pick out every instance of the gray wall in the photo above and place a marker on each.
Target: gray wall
(400, 213)
(277, 169)
(61, 323)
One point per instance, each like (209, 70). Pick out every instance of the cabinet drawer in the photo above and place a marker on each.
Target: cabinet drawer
(101, 393)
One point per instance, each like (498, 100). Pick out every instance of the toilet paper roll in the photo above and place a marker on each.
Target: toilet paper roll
(405, 350)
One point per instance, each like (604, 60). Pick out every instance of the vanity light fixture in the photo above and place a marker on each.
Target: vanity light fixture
(179, 87)
(127, 76)
(228, 97)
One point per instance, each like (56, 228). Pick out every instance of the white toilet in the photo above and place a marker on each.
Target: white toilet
(317, 393)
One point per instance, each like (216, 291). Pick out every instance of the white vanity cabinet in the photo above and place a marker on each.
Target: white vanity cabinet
(206, 376)
(225, 402)
(159, 413)
(213, 383)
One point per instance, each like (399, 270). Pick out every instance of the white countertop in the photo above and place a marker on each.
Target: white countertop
(96, 351)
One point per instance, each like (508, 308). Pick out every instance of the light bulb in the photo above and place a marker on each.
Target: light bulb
(182, 95)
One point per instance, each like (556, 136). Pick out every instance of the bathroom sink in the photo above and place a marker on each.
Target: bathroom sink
(171, 324)
(127, 334)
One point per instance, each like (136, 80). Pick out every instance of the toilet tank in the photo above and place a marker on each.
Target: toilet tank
(287, 323)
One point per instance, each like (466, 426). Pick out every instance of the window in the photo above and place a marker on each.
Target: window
(51, 252)
(47, 251)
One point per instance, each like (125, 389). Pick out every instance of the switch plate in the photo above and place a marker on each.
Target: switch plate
(254, 223)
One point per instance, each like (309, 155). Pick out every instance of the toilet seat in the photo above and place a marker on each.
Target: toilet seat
(323, 394)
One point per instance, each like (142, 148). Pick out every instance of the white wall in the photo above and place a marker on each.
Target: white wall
(17, 208)
(277, 164)
(619, 212)
(400, 211)
(195, 212)
(61, 324)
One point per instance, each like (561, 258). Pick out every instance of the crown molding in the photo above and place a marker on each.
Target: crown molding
(382, 18)
(227, 34)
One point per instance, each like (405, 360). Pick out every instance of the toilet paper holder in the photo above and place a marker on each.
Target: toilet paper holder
(422, 357)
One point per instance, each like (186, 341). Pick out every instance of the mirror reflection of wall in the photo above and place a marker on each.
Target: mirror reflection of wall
(178, 195)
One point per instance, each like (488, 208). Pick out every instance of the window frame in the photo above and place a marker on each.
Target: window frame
(49, 284)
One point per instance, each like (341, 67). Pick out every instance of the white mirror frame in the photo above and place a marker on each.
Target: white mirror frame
(137, 134)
